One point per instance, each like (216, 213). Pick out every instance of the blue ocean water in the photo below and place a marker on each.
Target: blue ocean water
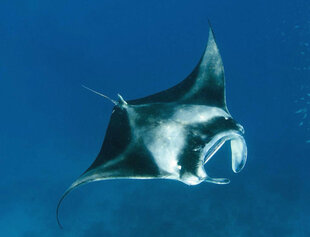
(52, 129)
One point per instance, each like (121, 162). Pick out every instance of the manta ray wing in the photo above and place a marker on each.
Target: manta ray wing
(205, 85)
(119, 156)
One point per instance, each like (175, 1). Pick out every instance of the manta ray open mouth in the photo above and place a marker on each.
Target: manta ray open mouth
(238, 152)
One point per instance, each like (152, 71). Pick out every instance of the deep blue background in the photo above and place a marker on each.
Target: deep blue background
(52, 129)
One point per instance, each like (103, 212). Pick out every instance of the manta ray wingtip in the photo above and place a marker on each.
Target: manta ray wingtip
(211, 32)
(58, 206)
(76, 184)
(209, 22)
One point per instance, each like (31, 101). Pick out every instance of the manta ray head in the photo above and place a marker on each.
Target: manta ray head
(206, 132)
(234, 134)
(237, 144)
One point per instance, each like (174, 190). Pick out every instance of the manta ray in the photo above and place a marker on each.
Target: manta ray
(171, 134)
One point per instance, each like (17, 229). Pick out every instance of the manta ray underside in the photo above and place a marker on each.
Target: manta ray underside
(171, 134)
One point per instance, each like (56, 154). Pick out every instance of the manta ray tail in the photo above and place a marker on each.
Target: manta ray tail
(98, 93)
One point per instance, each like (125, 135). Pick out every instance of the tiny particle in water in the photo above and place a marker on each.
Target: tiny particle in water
(308, 141)
(304, 110)
(301, 123)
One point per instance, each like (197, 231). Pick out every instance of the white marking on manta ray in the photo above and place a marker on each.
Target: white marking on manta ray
(165, 143)
(167, 139)
(189, 114)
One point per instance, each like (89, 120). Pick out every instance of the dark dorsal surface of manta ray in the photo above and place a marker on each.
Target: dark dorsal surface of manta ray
(171, 134)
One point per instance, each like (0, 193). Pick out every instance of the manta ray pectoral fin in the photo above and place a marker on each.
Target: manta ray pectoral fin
(87, 177)
(80, 181)
(205, 85)
(134, 163)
